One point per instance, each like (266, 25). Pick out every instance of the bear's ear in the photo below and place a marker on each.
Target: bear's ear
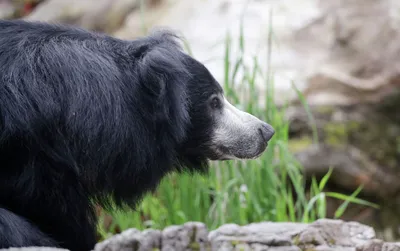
(163, 75)
(157, 38)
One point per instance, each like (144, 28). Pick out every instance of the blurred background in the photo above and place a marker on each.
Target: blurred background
(325, 74)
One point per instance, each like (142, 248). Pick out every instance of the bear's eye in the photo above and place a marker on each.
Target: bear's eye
(216, 103)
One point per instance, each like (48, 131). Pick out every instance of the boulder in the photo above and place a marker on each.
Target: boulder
(336, 52)
(7, 9)
(99, 15)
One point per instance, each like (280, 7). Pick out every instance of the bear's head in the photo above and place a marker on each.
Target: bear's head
(192, 108)
(217, 129)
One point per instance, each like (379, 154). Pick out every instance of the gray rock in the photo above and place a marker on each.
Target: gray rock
(379, 245)
(266, 233)
(335, 51)
(7, 9)
(132, 240)
(321, 235)
(100, 15)
(336, 233)
(190, 236)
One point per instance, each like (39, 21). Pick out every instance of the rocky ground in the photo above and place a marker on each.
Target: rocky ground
(322, 235)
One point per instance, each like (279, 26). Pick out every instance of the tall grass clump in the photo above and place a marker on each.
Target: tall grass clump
(271, 188)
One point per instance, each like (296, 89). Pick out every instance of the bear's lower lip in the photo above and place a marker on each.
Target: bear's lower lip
(258, 155)
(260, 152)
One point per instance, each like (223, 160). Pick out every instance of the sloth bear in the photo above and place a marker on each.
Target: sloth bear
(87, 119)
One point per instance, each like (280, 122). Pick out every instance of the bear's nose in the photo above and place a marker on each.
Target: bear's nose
(266, 131)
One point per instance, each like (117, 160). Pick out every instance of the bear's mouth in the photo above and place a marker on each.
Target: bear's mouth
(223, 153)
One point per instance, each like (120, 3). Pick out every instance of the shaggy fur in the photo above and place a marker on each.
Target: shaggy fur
(86, 118)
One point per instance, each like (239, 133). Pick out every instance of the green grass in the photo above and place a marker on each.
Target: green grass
(271, 188)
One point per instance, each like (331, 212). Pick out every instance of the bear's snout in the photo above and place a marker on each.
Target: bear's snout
(239, 134)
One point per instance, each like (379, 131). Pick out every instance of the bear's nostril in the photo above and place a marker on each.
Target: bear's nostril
(266, 131)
